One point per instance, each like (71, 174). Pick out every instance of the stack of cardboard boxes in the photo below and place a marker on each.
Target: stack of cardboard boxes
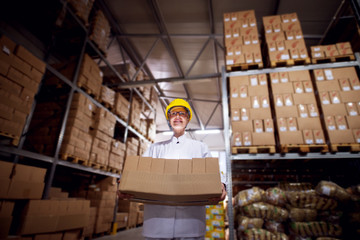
(117, 155)
(107, 97)
(100, 31)
(251, 117)
(77, 139)
(135, 113)
(215, 222)
(297, 114)
(121, 108)
(242, 39)
(340, 102)
(20, 75)
(90, 76)
(133, 212)
(151, 129)
(132, 146)
(284, 38)
(102, 135)
(331, 50)
(82, 9)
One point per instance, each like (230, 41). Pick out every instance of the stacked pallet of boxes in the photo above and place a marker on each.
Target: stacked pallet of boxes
(242, 40)
(20, 75)
(121, 107)
(284, 39)
(297, 115)
(100, 31)
(151, 129)
(251, 118)
(90, 77)
(132, 146)
(82, 9)
(116, 156)
(135, 114)
(107, 97)
(102, 134)
(332, 52)
(215, 222)
(340, 102)
(77, 139)
(133, 211)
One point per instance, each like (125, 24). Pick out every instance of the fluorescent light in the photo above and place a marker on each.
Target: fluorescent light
(211, 131)
(167, 133)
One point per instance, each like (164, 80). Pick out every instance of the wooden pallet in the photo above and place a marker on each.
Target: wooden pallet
(107, 105)
(253, 149)
(351, 147)
(14, 140)
(340, 58)
(244, 66)
(97, 166)
(290, 62)
(114, 170)
(88, 91)
(304, 148)
(73, 159)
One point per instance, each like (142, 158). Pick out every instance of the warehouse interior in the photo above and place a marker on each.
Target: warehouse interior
(154, 52)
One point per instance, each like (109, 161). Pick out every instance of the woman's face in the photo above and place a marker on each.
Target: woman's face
(178, 118)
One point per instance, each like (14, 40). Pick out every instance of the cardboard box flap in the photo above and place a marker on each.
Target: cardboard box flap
(185, 166)
(212, 165)
(171, 166)
(199, 165)
(144, 164)
(158, 165)
(131, 163)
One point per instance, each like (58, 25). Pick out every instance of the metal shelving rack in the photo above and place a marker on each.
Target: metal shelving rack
(238, 158)
(18, 151)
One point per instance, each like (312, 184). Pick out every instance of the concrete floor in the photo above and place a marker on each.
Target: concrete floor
(131, 234)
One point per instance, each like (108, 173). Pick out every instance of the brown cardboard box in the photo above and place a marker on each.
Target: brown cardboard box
(236, 139)
(356, 133)
(282, 124)
(235, 114)
(284, 77)
(241, 126)
(274, 77)
(258, 126)
(353, 122)
(265, 138)
(308, 136)
(201, 175)
(313, 110)
(350, 96)
(319, 136)
(304, 98)
(271, 20)
(351, 109)
(282, 88)
(298, 87)
(319, 74)
(335, 97)
(344, 84)
(276, 36)
(240, 102)
(286, 111)
(328, 86)
(303, 111)
(260, 113)
(279, 55)
(291, 137)
(341, 136)
(341, 123)
(309, 123)
(259, 90)
(268, 125)
(330, 123)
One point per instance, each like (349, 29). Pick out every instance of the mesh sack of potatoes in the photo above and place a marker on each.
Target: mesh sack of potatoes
(249, 196)
(331, 189)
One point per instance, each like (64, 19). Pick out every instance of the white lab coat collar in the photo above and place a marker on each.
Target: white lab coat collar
(180, 139)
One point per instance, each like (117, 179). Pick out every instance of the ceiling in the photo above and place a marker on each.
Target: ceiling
(178, 44)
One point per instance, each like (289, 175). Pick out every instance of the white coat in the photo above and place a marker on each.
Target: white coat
(162, 221)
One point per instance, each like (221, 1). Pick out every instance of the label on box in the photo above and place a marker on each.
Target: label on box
(313, 110)
(279, 101)
(288, 100)
(264, 102)
(229, 61)
(298, 87)
(355, 84)
(258, 125)
(302, 111)
(357, 135)
(255, 102)
(308, 87)
(253, 80)
(282, 124)
(292, 124)
(345, 85)
(325, 98)
(328, 74)
(341, 122)
(244, 114)
(351, 109)
(268, 125)
(335, 97)
(243, 91)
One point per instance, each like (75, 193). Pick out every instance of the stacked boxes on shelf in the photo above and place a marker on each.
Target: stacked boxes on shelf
(121, 108)
(20, 75)
(107, 97)
(135, 114)
(77, 141)
(90, 77)
(215, 222)
(82, 9)
(151, 129)
(242, 39)
(284, 39)
(332, 50)
(6, 209)
(133, 211)
(100, 31)
(117, 155)
(102, 135)
(132, 146)
(340, 102)
(297, 115)
(251, 117)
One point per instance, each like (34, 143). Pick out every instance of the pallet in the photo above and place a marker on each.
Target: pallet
(253, 149)
(14, 140)
(73, 159)
(88, 91)
(107, 105)
(114, 170)
(341, 58)
(290, 62)
(351, 147)
(97, 166)
(304, 148)
(244, 66)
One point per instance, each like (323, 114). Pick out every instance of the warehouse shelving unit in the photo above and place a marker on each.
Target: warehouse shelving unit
(16, 152)
(266, 161)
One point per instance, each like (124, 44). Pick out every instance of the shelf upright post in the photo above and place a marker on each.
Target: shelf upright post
(226, 127)
(51, 174)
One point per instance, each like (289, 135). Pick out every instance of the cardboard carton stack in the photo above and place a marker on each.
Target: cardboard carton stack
(171, 181)
(242, 39)
(107, 97)
(117, 155)
(100, 31)
(6, 209)
(133, 211)
(135, 114)
(251, 118)
(339, 90)
(121, 107)
(151, 129)
(77, 141)
(331, 50)
(20, 75)
(90, 77)
(143, 146)
(215, 221)
(82, 9)
(143, 126)
(48, 216)
(132, 146)
(297, 114)
(102, 135)
(284, 38)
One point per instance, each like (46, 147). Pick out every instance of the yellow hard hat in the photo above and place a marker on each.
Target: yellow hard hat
(179, 103)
